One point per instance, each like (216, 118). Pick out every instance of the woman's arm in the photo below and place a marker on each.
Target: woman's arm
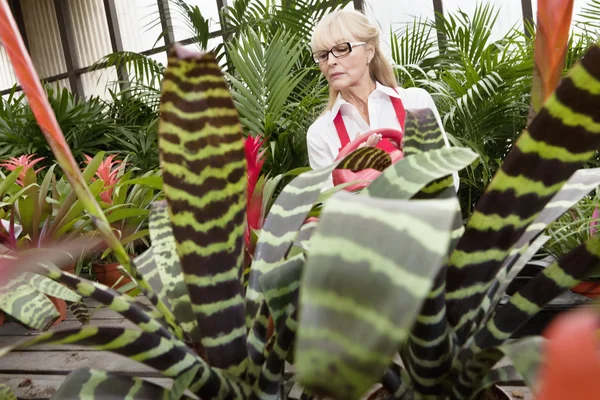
(319, 154)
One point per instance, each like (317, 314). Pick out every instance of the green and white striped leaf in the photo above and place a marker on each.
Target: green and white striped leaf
(204, 171)
(121, 303)
(50, 288)
(161, 267)
(367, 157)
(171, 358)
(285, 219)
(410, 175)
(281, 286)
(579, 184)
(27, 304)
(81, 311)
(561, 137)
(268, 386)
(92, 384)
(423, 135)
(372, 264)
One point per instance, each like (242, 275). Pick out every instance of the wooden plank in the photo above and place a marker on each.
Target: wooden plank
(64, 362)
(30, 387)
(15, 329)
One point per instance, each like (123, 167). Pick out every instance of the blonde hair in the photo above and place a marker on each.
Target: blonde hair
(348, 25)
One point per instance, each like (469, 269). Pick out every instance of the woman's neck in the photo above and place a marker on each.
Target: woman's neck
(358, 96)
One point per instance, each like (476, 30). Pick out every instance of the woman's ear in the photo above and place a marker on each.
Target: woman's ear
(370, 52)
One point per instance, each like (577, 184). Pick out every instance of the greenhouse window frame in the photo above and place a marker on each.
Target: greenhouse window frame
(73, 74)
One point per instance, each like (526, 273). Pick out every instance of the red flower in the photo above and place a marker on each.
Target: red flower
(255, 158)
(108, 172)
(24, 161)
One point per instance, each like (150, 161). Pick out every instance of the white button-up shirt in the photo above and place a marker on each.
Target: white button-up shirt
(322, 138)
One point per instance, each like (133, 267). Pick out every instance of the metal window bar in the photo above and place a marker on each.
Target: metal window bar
(527, 10)
(65, 26)
(116, 41)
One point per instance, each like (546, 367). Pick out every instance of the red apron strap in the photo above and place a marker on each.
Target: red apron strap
(399, 109)
(342, 132)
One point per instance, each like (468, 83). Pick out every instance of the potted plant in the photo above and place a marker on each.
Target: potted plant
(577, 225)
(125, 199)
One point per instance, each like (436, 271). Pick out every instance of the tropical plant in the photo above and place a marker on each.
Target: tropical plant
(417, 285)
(575, 226)
(85, 122)
(172, 267)
(277, 89)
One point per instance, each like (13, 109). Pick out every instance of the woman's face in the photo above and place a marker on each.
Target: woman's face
(349, 70)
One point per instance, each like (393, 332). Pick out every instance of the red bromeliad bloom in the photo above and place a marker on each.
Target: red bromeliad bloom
(108, 171)
(255, 158)
(23, 161)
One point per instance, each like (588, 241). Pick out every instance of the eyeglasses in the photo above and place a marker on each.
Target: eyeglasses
(338, 51)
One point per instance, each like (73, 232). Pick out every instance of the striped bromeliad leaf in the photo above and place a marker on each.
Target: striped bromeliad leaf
(423, 134)
(371, 265)
(285, 219)
(409, 176)
(524, 354)
(161, 267)
(27, 304)
(38, 101)
(579, 184)
(80, 311)
(89, 383)
(370, 157)
(172, 358)
(511, 269)
(525, 303)
(563, 135)
(204, 172)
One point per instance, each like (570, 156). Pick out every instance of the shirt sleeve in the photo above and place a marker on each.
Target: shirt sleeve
(319, 154)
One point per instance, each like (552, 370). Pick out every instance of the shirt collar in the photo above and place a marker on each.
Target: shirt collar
(379, 88)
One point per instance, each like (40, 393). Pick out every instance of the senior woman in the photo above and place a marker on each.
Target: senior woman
(363, 92)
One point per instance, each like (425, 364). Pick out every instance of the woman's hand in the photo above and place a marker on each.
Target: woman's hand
(371, 141)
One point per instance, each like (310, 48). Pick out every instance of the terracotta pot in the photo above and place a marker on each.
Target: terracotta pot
(60, 304)
(109, 274)
(587, 289)
(61, 307)
(341, 176)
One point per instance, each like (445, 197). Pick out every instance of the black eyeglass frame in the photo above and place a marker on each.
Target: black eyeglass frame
(351, 45)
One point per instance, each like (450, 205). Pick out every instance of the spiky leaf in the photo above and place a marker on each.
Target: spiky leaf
(372, 264)
(204, 172)
(370, 157)
(81, 311)
(27, 304)
(410, 175)
(162, 269)
(562, 136)
(90, 384)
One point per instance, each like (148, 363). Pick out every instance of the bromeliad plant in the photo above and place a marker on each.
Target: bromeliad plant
(378, 279)
(200, 331)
